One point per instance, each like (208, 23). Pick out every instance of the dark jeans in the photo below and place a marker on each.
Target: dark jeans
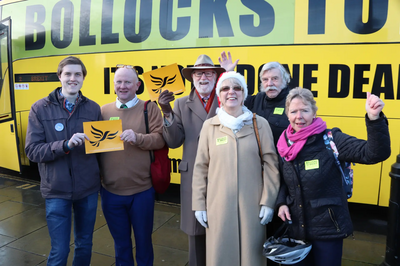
(324, 253)
(58, 216)
(123, 213)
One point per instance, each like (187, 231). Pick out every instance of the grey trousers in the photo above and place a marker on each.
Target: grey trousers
(197, 250)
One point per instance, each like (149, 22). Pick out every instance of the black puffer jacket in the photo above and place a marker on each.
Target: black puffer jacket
(272, 109)
(316, 199)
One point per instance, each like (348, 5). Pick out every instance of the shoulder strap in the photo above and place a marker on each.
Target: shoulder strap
(328, 139)
(258, 140)
(146, 121)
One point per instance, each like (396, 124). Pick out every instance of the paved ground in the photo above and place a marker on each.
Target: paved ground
(24, 239)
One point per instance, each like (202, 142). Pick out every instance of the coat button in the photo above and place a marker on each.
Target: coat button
(302, 225)
(300, 206)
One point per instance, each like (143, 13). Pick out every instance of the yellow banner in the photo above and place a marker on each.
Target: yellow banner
(103, 136)
(167, 78)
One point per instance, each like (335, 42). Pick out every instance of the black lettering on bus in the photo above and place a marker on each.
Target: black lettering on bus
(360, 80)
(62, 9)
(210, 9)
(316, 16)
(242, 68)
(294, 75)
(139, 71)
(308, 78)
(344, 89)
(183, 78)
(107, 36)
(165, 23)
(175, 165)
(383, 73)
(35, 32)
(144, 20)
(84, 25)
(266, 15)
(377, 15)
(398, 85)
(106, 80)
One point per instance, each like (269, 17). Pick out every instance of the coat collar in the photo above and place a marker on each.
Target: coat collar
(245, 131)
(196, 106)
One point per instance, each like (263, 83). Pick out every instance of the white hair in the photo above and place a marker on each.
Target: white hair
(272, 65)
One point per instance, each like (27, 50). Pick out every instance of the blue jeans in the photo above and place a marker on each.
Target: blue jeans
(58, 216)
(123, 213)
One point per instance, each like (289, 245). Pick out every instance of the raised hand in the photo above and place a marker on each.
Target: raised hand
(226, 62)
(373, 106)
(164, 100)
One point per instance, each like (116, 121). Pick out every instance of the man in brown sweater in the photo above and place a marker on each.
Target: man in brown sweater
(127, 195)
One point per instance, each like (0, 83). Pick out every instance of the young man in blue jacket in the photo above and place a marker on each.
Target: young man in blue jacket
(70, 178)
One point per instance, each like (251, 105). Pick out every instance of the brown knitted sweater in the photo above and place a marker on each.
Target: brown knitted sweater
(127, 172)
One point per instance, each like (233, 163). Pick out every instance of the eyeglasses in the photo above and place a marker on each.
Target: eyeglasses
(125, 66)
(200, 73)
(227, 88)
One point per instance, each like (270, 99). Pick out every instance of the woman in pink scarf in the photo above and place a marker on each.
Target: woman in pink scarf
(311, 193)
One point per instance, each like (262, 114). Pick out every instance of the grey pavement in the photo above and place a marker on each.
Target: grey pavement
(24, 238)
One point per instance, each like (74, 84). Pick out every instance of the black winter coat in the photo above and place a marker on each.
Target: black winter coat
(272, 109)
(316, 199)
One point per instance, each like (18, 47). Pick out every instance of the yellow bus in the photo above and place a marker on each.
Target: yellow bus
(339, 49)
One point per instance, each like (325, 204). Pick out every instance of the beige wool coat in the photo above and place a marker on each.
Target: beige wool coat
(189, 116)
(228, 184)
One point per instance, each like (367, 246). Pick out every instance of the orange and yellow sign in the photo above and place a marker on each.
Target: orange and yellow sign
(103, 136)
(168, 78)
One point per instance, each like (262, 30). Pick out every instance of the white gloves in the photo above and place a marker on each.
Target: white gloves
(201, 216)
(266, 214)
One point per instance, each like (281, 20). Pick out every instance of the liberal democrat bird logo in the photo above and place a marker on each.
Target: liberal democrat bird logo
(98, 134)
(161, 82)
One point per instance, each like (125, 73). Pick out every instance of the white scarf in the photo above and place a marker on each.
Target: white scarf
(235, 123)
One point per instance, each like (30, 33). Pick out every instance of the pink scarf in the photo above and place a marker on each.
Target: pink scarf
(299, 138)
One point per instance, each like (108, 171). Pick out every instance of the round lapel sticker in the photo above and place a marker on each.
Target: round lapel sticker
(59, 127)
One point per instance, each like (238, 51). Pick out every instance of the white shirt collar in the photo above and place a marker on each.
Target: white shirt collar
(129, 104)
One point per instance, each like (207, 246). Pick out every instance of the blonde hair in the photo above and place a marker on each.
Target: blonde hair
(304, 94)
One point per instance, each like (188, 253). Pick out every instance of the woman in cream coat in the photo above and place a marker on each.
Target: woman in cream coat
(231, 197)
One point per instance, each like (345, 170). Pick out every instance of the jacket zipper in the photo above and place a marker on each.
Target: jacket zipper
(332, 215)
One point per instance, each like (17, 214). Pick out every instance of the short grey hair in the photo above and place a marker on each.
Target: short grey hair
(272, 65)
(304, 94)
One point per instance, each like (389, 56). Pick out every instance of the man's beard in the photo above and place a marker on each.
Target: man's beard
(204, 90)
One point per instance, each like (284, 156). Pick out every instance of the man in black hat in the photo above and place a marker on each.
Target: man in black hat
(182, 126)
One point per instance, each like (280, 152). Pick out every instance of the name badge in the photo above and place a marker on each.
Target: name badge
(222, 140)
(114, 118)
(278, 110)
(313, 164)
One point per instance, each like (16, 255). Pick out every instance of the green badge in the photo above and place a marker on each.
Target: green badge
(114, 118)
(313, 164)
(278, 110)
(222, 140)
